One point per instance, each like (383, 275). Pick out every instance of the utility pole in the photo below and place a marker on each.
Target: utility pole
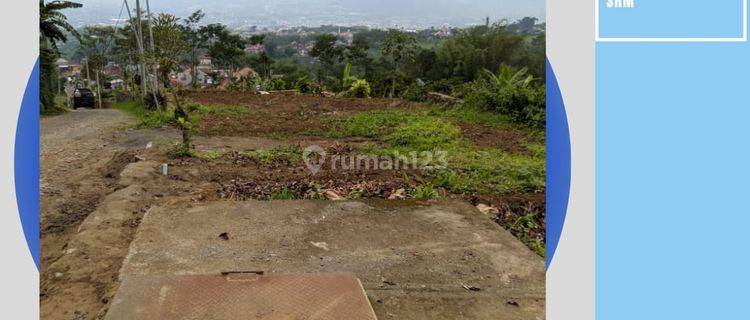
(88, 76)
(138, 42)
(139, 36)
(98, 90)
(155, 88)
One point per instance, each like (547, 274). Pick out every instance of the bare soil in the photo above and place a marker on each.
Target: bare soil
(297, 116)
(291, 119)
(96, 186)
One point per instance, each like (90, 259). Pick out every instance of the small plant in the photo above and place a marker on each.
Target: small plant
(356, 194)
(288, 152)
(183, 122)
(425, 192)
(277, 84)
(209, 154)
(304, 85)
(446, 179)
(286, 194)
(359, 89)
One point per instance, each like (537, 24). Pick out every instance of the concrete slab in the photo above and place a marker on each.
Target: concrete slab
(243, 296)
(437, 261)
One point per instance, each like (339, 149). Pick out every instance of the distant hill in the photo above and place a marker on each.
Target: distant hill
(410, 13)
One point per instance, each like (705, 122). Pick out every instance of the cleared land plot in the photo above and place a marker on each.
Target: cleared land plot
(440, 260)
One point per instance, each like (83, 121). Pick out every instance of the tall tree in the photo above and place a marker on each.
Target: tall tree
(52, 29)
(358, 54)
(328, 52)
(53, 24)
(169, 45)
(264, 59)
(224, 47)
(195, 41)
(402, 48)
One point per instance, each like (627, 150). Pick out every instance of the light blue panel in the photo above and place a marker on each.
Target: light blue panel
(672, 19)
(673, 166)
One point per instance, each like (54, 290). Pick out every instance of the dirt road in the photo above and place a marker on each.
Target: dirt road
(73, 154)
(79, 167)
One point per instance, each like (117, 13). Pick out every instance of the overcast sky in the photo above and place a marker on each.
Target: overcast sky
(316, 12)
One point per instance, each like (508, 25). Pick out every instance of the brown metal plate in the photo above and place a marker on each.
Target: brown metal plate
(243, 296)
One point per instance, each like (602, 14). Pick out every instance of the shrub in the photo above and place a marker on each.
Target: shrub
(415, 92)
(426, 192)
(525, 105)
(359, 89)
(277, 84)
(150, 103)
(304, 85)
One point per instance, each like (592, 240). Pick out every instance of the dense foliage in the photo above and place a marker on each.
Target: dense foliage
(470, 64)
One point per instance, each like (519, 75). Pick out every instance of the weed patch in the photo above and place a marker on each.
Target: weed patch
(290, 153)
(146, 118)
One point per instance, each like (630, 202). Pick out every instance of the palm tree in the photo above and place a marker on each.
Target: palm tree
(52, 23)
(52, 27)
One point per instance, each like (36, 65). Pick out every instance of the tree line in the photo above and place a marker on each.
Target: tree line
(498, 67)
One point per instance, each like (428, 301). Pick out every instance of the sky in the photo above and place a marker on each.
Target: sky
(239, 13)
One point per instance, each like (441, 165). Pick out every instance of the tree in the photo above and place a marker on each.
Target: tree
(358, 53)
(402, 48)
(328, 52)
(195, 42)
(257, 39)
(169, 45)
(52, 28)
(224, 47)
(265, 62)
(264, 59)
(96, 47)
(53, 24)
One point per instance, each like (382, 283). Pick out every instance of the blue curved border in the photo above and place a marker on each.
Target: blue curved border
(26, 168)
(558, 164)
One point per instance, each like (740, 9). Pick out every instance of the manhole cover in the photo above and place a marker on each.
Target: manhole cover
(242, 296)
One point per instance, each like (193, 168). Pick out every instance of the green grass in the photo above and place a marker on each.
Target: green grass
(469, 169)
(208, 154)
(289, 152)
(425, 192)
(198, 109)
(370, 124)
(146, 118)
(471, 116)
(424, 134)
(285, 194)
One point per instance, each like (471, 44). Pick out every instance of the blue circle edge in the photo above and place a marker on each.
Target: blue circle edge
(558, 164)
(26, 163)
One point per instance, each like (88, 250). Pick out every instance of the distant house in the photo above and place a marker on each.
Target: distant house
(205, 65)
(67, 69)
(445, 31)
(184, 78)
(347, 37)
(245, 72)
(112, 70)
